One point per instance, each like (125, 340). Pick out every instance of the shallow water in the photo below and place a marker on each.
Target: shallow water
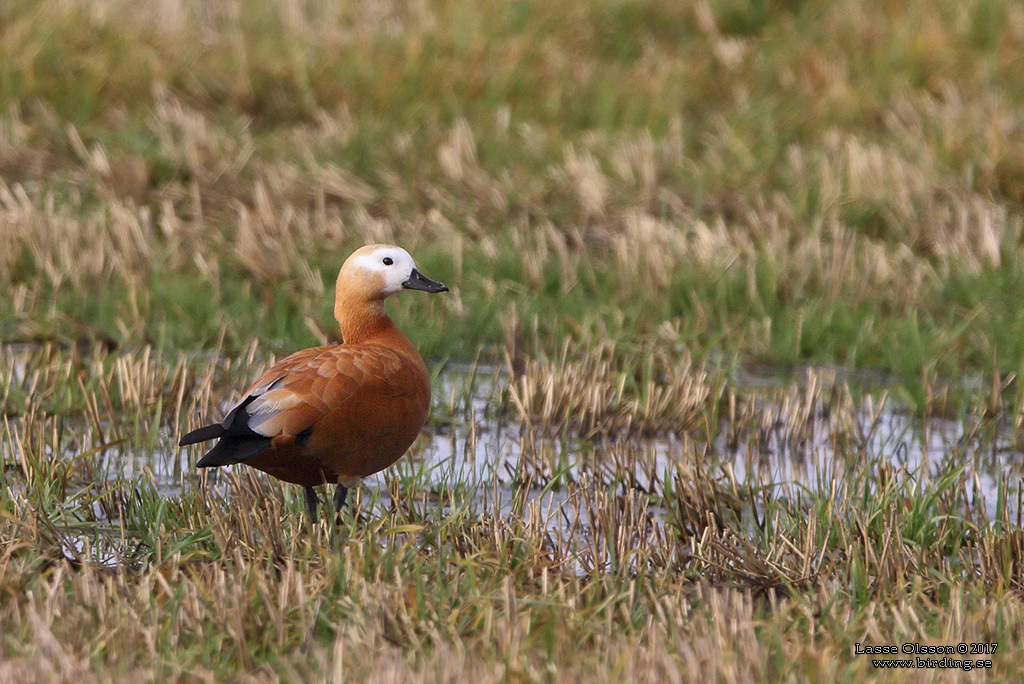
(484, 451)
(475, 446)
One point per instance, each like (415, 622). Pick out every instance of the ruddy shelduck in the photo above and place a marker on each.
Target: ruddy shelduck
(336, 414)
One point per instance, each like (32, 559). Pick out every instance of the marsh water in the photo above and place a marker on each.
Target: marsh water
(477, 444)
(795, 438)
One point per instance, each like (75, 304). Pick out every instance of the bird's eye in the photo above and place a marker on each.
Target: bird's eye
(388, 261)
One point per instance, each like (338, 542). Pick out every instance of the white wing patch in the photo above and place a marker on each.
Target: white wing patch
(256, 391)
(269, 405)
(265, 387)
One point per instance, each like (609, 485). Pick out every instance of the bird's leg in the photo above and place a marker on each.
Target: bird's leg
(312, 502)
(340, 494)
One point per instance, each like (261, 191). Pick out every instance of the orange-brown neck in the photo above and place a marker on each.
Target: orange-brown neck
(364, 321)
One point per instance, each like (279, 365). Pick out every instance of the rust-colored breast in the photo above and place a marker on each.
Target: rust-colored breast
(339, 413)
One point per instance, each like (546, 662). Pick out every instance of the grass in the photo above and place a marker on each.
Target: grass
(802, 524)
(784, 183)
(640, 207)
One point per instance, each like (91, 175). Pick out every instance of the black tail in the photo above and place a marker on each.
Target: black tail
(203, 434)
(230, 450)
(238, 442)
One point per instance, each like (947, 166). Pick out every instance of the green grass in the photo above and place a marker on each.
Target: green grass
(746, 312)
(845, 190)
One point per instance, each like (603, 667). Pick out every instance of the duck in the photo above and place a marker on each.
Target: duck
(335, 414)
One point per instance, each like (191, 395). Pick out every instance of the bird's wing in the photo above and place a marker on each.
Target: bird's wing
(292, 395)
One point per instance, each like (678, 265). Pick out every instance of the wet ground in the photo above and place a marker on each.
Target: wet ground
(475, 445)
(794, 438)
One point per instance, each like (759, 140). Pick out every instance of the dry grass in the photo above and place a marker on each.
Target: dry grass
(649, 559)
(585, 393)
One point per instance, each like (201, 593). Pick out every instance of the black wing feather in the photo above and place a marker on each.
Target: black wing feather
(238, 442)
(229, 451)
(203, 434)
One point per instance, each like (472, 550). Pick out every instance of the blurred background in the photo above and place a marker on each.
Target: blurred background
(773, 183)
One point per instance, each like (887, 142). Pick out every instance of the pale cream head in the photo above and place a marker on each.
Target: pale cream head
(377, 271)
